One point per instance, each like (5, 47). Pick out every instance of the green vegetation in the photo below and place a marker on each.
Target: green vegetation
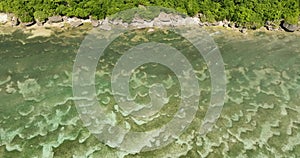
(250, 13)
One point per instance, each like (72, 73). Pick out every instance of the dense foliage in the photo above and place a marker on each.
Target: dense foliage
(244, 12)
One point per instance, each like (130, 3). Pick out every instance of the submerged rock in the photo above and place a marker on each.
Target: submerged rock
(30, 90)
(105, 27)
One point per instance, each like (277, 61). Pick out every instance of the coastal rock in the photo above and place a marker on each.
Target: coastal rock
(15, 21)
(225, 23)
(86, 20)
(76, 23)
(140, 23)
(116, 22)
(28, 23)
(243, 30)
(105, 22)
(162, 20)
(231, 25)
(3, 18)
(190, 21)
(40, 23)
(55, 19)
(271, 26)
(164, 17)
(165, 20)
(253, 27)
(95, 23)
(201, 24)
(125, 24)
(206, 24)
(158, 23)
(100, 22)
(137, 20)
(215, 23)
(289, 27)
(201, 17)
(105, 25)
(144, 25)
(177, 18)
(65, 18)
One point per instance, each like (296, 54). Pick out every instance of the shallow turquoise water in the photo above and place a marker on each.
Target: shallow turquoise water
(259, 119)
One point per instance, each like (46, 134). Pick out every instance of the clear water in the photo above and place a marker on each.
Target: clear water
(260, 117)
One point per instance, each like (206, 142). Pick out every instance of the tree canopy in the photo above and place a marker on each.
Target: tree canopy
(244, 12)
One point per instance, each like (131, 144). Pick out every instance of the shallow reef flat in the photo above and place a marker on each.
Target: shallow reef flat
(260, 117)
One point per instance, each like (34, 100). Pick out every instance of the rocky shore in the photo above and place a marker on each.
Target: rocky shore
(163, 19)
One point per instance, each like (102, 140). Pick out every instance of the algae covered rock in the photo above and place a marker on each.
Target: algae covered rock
(30, 90)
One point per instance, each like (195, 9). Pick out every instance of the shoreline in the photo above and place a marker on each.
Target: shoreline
(63, 23)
